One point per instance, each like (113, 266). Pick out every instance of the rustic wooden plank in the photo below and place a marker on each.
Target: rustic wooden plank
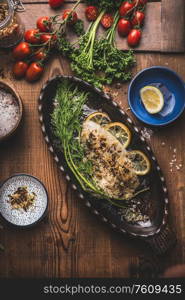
(42, 2)
(44, 246)
(152, 34)
(148, 42)
(163, 142)
(71, 242)
(46, 1)
(173, 26)
(60, 246)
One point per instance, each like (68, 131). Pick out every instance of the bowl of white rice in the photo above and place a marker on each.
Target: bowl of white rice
(10, 110)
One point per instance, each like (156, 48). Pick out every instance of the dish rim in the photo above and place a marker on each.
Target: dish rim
(64, 171)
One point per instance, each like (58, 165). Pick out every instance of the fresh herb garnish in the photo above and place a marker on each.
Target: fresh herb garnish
(114, 64)
(67, 124)
(105, 4)
(78, 27)
(83, 57)
(99, 61)
(67, 127)
(65, 47)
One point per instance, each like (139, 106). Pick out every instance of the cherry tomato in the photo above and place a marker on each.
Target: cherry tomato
(72, 18)
(21, 51)
(46, 37)
(19, 69)
(56, 3)
(40, 55)
(124, 27)
(126, 8)
(140, 2)
(107, 20)
(44, 24)
(138, 18)
(34, 72)
(31, 37)
(91, 13)
(134, 37)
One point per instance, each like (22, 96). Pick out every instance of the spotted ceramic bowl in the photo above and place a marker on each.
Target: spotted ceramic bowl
(19, 217)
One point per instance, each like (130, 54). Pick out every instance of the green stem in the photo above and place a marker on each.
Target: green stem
(79, 175)
(92, 32)
(111, 34)
(141, 191)
(71, 167)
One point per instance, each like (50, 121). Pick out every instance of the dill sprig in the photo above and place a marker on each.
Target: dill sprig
(67, 124)
(67, 127)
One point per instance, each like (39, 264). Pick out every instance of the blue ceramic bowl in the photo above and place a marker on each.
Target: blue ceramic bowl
(172, 87)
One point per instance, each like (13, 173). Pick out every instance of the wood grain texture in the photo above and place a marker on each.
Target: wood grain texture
(43, 2)
(149, 41)
(70, 242)
(172, 18)
(156, 35)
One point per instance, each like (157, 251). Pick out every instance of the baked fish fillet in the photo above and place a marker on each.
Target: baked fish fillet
(112, 170)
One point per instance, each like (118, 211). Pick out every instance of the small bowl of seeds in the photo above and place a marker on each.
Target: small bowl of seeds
(11, 110)
(23, 200)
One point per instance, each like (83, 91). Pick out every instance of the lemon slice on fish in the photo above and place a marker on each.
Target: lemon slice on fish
(120, 131)
(152, 99)
(140, 162)
(99, 118)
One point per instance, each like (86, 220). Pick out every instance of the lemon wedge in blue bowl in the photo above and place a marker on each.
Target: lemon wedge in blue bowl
(152, 98)
(157, 96)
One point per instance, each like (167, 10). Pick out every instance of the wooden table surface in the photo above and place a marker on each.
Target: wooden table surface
(70, 242)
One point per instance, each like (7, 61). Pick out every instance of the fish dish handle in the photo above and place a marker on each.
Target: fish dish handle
(162, 241)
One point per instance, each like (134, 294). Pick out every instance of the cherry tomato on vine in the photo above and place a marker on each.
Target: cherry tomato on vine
(91, 13)
(134, 37)
(44, 24)
(56, 3)
(21, 51)
(72, 18)
(19, 69)
(138, 18)
(45, 37)
(34, 72)
(124, 27)
(31, 36)
(126, 8)
(107, 21)
(40, 55)
(140, 2)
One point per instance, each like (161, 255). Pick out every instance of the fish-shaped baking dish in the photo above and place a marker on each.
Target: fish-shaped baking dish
(106, 160)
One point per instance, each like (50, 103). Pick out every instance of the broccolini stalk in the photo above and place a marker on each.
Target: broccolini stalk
(112, 31)
(91, 38)
(83, 57)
